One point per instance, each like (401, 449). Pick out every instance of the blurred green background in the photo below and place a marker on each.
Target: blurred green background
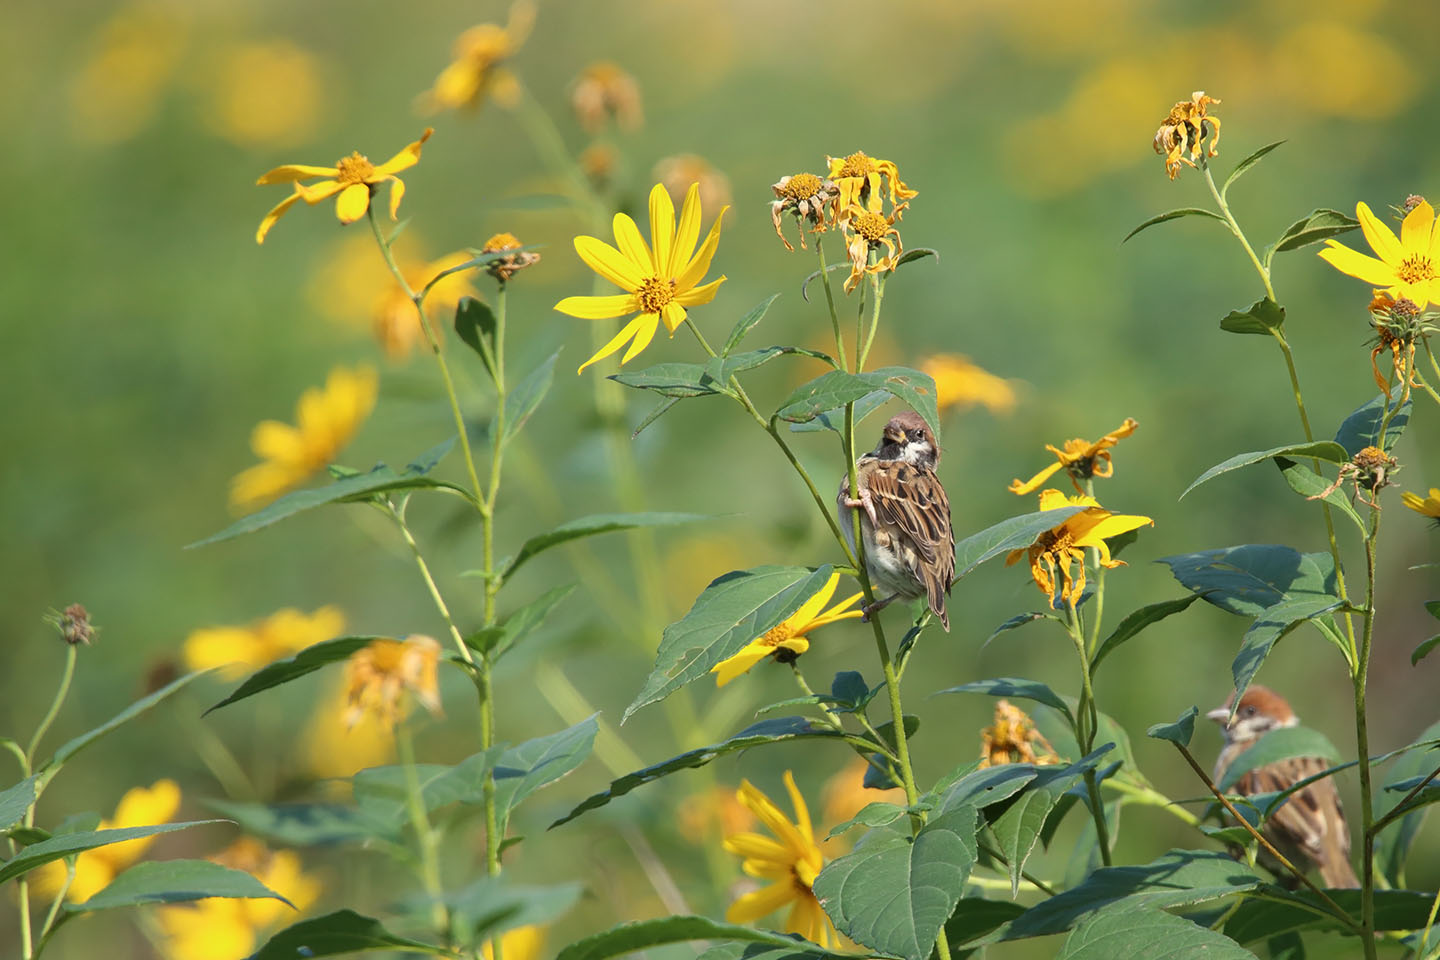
(145, 333)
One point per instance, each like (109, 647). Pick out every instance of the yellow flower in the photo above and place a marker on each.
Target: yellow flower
(354, 178)
(845, 793)
(1062, 549)
(1398, 324)
(477, 72)
(660, 281)
(378, 676)
(1407, 265)
(1012, 738)
(862, 179)
(325, 421)
(329, 751)
(717, 810)
(791, 635)
(397, 322)
(683, 169)
(1425, 506)
(241, 649)
(1080, 458)
(264, 94)
(960, 383)
(1184, 130)
(224, 928)
(866, 232)
(94, 869)
(809, 197)
(521, 943)
(604, 90)
(790, 861)
(117, 89)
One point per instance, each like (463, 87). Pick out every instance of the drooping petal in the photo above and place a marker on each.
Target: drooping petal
(616, 342)
(276, 212)
(696, 296)
(609, 263)
(838, 612)
(802, 812)
(687, 233)
(673, 315)
(632, 245)
(403, 160)
(354, 201)
(315, 192)
(1054, 500)
(770, 815)
(812, 607)
(649, 323)
(1111, 526)
(759, 903)
(753, 846)
(1356, 264)
(662, 225)
(732, 667)
(1380, 237)
(292, 172)
(598, 308)
(1416, 229)
(808, 920)
(696, 269)
(1019, 487)
(397, 191)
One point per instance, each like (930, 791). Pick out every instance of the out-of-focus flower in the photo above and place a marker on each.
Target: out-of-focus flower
(478, 72)
(117, 91)
(329, 750)
(264, 94)
(845, 793)
(354, 178)
(1184, 131)
(717, 810)
(1061, 550)
(241, 649)
(1363, 76)
(1408, 265)
(94, 869)
(866, 232)
(325, 420)
(599, 162)
(1081, 459)
(397, 322)
(378, 677)
(677, 173)
(791, 638)
(960, 384)
(790, 861)
(1012, 738)
(604, 90)
(520, 943)
(660, 282)
(863, 181)
(807, 197)
(224, 928)
(1425, 506)
(506, 267)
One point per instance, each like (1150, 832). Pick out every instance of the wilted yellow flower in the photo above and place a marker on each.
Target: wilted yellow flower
(506, 267)
(354, 178)
(809, 197)
(677, 173)
(863, 180)
(1080, 458)
(660, 283)
(328, 750)
(1397, 324)
(478, 73)
(1408, 265)
(605, 90)
(94, 869)
(325, 420)
(520, 943)
(845, 793)
(1184, 130)
(224, 928)
(791, 636)
(263, 94)
(960, 384)
(241, 649)
(1062, 549)
(117, 91)
(1425, 506)
(378, 676)
(1012, 738)
(866, 232)
(790, 862)
(717, 810)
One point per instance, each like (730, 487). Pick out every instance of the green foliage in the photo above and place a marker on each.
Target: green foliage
(1245, 165)
(1005, 536)
(1021, 824)
(14, 801)
(837, 388)
(173, 881)
(1136, 621)
(1264, 317)
(475, 323)
(1314, 227)
(1015, 687)
(303, 824)
(747, 323)
(1362, 428)
(1180, 732)
(1281, 912)
(1321, 450)
(1147, 933)
(294, 667)
(835, 419)
(1310, 485)
(525, 399)
(643, 934)
(63, 845)
(1392, 846)
(341, 932)
(1280, 744)
(499, 640)
(591, 526)
(1169, 215)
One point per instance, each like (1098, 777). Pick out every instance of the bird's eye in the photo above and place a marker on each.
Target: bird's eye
(1249, 711)
(917, 435)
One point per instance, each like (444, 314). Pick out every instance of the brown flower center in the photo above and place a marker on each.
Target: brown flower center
(802, 186)
(1416, 269)
(1057, 542)
(355, 169)
(778, 635)
(654, 294)
(858, 165)
(872, 226)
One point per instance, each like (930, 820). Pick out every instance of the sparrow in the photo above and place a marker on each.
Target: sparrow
(1312, 821)
(905, 516)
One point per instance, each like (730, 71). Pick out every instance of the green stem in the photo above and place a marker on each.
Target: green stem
(1099, 573)
(1087, 721)
(1424, 952)
(427, 840)
(1235, 228)
(1362, 745)
(66, 675)
(399, 517)
(497, 455)
(1429, 353)
(1150, 797)
(830, 301)
(877, 284)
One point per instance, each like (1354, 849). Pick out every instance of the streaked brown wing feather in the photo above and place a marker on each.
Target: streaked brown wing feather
(912, 503)
(1302, 819)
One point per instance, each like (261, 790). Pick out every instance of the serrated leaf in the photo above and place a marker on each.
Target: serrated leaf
(294, 667)
(1258, 919)
(1276, 745)
(1014, 687)
(876, 814)
(14, 801)
(747, 323)
(1007, 535)
(475, 324)
(643, 934)
(835, 419)
(1310, 484)
(1245, 165)
(838, 387)
(63, 845)
(1362, 428)
(500, 639)
(1138, 620)
(1017, 830)
(1147, 933)
(1321, 224)
(1327, 450)
(302, 824)
(732, 611)
(74, 745)
(1176, 215)
(526, 397)
(344, 931)
(1248, 580)
(174, 881)
(591, 526)
(1261, 318)
(986, 786)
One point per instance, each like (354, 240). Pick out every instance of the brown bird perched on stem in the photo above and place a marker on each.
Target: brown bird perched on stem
(905, 520)
(1312, 821)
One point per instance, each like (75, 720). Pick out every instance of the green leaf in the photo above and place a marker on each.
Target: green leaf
(591, 526)
(1321, 450)
(172, 881)
(721, 369)
(1426, 791)
(735, 950)
(643, 934)
(837, 388)
(1392, 845)
(876, 814)
(1245, 165)
(655, 414)
(1019, 620)
(1281, 743)
(1176, 215)
(523, 769)
(73, 746)
(1005, 536)
(1138, 620)
(1177, 878)
(975, 920)
(1248, 580)
(835, 419)
(675, 380)
(773, 730)
(16, 800)
(1318, 225)
(1261, 318)
(1310, 484)
(877, 775)
(916, 253)
(294, 667)
(1014, 687)
(344, 931)
(1271, 626)
(63, 845)
(895, 891)
(1424, 648)
(746, 324)
(1018, 829)
(475, 324)
(492, 905)
(526, 397)
(732, 611)
(498, 640)
(986, 786)
(1179, 732)
(1362, 428)
(302, 824)
(1259, 919)
(1148, 933)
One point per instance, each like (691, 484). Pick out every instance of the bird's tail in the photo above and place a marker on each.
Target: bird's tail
(1338, 873)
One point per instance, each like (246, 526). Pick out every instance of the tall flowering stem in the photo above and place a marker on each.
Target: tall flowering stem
(830, 302)
(1087, 723)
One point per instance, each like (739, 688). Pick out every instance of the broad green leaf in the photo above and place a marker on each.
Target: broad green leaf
(1422, 791)
(344, 931)
(732, 611)
(525, 768)
(526, 397)
(492, 905)
(63, 845)
(1138, 620)
(173, 881)
(1362, 428)
(766, 731)
(877, 776)
(1018, 829)
(1424, 648)
(721, 369)
(895, 891)
(591, 526)
(382, 793)
(475, 324)
(1272, 625)
(656, 414)
(1432, 607)
(643, 934)
(1327, 450)
(1179, 732)
(746, 324)
(303, 824)
(16, 800)
(499, 639)
(1019, 620)
(835, 419)
(876, 814)
(1177, 878)
(737, 950)
(1283, 911)
(1318, 225)
(1310, 484)
(1245, 165)
(1007, 535)
(916, 253)
(1176, 215)
(1014, 687)
(1147, 933)
(837, 388)
(976, 921)
(1392, 845)
(1280, 744)
(850, 690)
(294, 667)
(73, 746)
(676, 380)
(986, 786)
(1260, 318)
(1248, 580)
(1056, 728)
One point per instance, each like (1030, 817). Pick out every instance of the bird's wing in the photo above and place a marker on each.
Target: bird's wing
(910, 501)
(1313, 818)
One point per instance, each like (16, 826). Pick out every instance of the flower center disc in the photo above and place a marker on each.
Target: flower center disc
(858, 164)
(654, 294)
(871, 226)
(778, 635)
(1416, 269)
(355, 169)
(802, 186)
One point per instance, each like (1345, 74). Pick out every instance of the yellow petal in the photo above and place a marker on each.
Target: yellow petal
(315, 192)
(397, 191)
(616, 342)
(696, 296)
(276, 212)
(403, 160)
(1356, 264)
(273, 440)
(673, 315)
(1053, 500)
(598, 308)
(802, 813)
(696, 269)
(1111, 526)
(649, 322)
(609, 263)
(1416, 229)
(632, 245)
(1016, 486)
(753, 846)
(1380, 237)
(759, 903)
(662, 225)
(292, 172)
(687, 233)
(815, 604)
(732, 667)
(354, 201)
(236, 648)
(770, 815)
(262, 483)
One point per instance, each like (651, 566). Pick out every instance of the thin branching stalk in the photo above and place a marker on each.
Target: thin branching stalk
(830, 302)
(1150, 797)
(427, 840)
(1087, 722)
(398, 516)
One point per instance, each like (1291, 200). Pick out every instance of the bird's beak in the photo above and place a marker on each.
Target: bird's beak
(1220, 715)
